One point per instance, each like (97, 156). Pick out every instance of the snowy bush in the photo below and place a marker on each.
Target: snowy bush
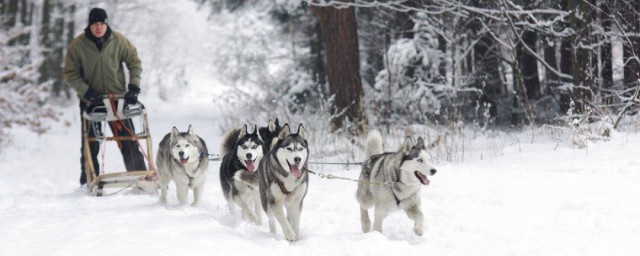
(25, 103)
(407, 89)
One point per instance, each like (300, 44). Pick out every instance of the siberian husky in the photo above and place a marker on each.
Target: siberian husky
(284, 181)
(392, 181)
(242, 152)
(182, 157)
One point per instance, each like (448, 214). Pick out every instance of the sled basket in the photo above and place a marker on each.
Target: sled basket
(112, 109)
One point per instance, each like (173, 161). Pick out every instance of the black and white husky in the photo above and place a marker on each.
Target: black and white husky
(392, 181)
(238, 171)
(182, 157)
(284, 181)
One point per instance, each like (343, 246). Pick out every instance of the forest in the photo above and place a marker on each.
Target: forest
(497, 63)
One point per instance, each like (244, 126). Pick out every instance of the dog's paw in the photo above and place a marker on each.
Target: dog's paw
(366, 227)
(418, 231)
(253, 217)
(291, 237)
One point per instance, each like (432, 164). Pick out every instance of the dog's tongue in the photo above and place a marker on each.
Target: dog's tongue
(183, 160)
(250, 166)
(423, 178)
(296, 171)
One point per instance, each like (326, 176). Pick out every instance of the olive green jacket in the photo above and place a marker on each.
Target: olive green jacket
(85, 66)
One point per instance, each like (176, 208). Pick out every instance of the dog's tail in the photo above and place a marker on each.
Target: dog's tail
(374, 144)
(229, 140)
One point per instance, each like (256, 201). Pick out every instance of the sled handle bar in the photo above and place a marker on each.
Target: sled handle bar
(106, 112)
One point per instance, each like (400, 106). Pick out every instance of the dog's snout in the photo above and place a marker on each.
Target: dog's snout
(433, 171)
(249, 155)
(297, 159)
(181, 153)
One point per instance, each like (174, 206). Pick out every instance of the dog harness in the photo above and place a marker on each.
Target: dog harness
(190, 178)
(282, 188)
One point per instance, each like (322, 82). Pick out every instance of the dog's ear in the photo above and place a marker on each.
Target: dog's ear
(257, 132)
(243, 131)
(174, 132)
(190, 131)
(420, 144)
(285, 132)
(272, 125)
(406, 145)
(301, 132)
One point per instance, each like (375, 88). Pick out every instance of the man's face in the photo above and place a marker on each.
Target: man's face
(98, 29)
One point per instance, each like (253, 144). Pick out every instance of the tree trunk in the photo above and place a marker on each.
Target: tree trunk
(631, 48)
(442, 67)
(606, 63)
(551, 81)
(339, 29)
(582, 79)
(529, 65)
(566, 55)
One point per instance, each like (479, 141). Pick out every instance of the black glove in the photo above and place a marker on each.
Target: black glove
(93, 97)
(131, 97)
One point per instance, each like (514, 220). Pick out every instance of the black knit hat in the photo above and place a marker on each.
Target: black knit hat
(97, 15)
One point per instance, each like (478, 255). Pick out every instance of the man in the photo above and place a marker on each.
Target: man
(94, 68)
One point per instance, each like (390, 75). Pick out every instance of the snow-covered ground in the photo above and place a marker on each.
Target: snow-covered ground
(533, 199)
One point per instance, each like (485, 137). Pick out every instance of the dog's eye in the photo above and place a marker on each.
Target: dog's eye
(186, 146)
(290, 149)
(300, 149)
(244, 147)
(254, 146)
(420, 160)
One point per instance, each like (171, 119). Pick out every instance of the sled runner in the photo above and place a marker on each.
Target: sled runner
(114, 109)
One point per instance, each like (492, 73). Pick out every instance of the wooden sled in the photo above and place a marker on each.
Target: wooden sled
(145, 180)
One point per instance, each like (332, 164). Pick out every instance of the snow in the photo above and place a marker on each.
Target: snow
(515, 197)
(532, 199)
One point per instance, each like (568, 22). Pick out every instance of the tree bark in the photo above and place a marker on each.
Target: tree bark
(580, 61)
(631, 48)
(606, 68)
(339, 29)
(529, 65)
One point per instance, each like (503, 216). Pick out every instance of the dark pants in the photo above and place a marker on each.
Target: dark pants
(133, 158)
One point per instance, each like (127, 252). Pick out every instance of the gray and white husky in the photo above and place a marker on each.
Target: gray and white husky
(392, 181)
(238, 171)
(182, 157)
(284, 181)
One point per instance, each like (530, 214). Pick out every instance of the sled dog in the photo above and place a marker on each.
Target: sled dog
(392, 181)
(183, 158)
(284, 181)
(242, 152)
